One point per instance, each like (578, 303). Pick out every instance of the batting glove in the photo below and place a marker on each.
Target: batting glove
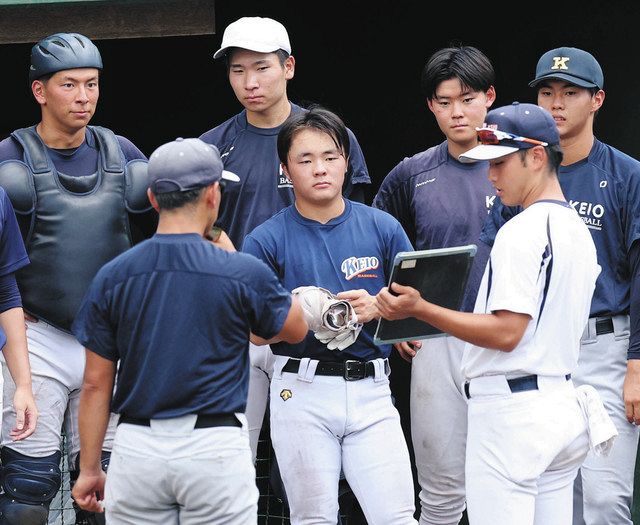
(340, 325)
(313, 299)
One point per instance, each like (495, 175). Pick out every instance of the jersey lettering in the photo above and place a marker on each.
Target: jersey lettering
(354, 266)
(589, 213)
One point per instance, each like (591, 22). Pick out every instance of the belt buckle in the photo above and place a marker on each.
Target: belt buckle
(350, 365)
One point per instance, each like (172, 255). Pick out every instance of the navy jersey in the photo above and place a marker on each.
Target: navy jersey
(176, 312)
(76, 162)
(13, 255)
(353, 251)
(604, 189)
(264, 189)
(441, 203)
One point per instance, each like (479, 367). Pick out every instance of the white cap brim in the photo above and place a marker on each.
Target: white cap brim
(250, 45)
(486, 152)
(230, 176)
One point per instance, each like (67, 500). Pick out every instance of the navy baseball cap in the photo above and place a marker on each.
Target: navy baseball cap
(511, 128)
(186, 164)
(571, 64)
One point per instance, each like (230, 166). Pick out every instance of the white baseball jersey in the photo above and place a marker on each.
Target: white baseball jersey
(535, 255)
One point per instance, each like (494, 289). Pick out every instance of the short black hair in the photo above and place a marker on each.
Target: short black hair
(554, 156)
(315, 117)
(178, 199)
(466, 63)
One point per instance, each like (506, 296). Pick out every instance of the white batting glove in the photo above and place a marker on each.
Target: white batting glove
(340, 325)
(313, 299)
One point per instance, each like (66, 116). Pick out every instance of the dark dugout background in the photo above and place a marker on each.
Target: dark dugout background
(361, 59)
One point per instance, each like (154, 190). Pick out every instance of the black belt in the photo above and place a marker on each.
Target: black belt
(604, 325)
(350, 369)
(203, 421)
(517, 384)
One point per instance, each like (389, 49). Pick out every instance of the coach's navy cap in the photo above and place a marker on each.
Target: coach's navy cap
(571, 64)
(186, 164)
(263, 35)
(511, 128)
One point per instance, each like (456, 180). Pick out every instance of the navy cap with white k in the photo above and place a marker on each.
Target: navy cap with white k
(186, 164)
(511, 128)
(570, 64)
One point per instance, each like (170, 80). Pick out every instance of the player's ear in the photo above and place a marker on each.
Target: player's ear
(490, 96)
(289, 67)
(152, 199)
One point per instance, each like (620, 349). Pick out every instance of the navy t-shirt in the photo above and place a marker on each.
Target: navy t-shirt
(353, 251)
(441, 203)
(176, 312)
(252, 154)
(13, 256)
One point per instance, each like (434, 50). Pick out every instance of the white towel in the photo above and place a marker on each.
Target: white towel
(602, 431)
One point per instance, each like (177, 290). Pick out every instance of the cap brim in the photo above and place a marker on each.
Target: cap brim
(251, 46)
(230, 176)
(486, 152)
(568, 78)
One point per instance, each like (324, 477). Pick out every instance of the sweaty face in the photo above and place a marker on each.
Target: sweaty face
(316, 167)
(571, 106)
(68, 99)
(258, 80)
(459, 111)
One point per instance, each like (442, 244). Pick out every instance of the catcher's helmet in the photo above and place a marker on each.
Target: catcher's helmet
(63, 51)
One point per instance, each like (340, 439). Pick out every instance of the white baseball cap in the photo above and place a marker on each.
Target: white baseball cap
(263, 35)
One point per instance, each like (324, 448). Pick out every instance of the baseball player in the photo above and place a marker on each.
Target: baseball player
(442, 202)
(79, 193)
(529, 429)
(259, 63)
(330, 403)
(181, 451)
(13, 339)
(602, 185)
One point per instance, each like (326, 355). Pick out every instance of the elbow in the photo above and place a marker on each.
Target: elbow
(508, 342)
(298, 334)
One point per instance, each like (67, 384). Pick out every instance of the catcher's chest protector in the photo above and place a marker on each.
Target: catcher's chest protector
(78, 224)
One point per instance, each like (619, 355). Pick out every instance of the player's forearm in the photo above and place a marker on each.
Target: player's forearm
(95, 410)
(634, 308)
(499, 331)
(15, 351)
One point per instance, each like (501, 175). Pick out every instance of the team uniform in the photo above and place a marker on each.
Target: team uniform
(13, 256)
(75, 209)
(529, 429)
(322, 422)
(252, 153)
(604, 189)
(181, 388)
(440, 203)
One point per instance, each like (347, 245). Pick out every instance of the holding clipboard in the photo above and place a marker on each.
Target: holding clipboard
(440, 275)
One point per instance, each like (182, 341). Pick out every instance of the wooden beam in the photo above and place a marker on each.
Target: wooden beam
(107, 19)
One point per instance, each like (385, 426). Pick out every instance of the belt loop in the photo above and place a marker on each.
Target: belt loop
(307, 369)
(380, 366)
(620, 326)
(589, 333)
(278, 365)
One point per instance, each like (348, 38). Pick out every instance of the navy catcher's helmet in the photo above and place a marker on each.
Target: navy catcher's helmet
(63, 51)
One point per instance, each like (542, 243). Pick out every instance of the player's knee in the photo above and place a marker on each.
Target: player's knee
(29, 485)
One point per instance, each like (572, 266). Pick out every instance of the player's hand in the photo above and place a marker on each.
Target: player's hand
(364, 304)
(218, 237)
(631, 391)
(88, 492)
(402, 303)
(408, 349)
(26, 413)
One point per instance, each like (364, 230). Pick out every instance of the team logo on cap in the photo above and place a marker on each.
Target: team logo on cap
(560, 62)
(286, 394)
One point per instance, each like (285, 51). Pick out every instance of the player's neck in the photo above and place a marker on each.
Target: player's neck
(576, 148)
(272, 117)
(179, 221)
(548, 190)
(57, 137)
(321, 212)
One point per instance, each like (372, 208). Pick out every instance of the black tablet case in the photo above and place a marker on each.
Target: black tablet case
(441, 277)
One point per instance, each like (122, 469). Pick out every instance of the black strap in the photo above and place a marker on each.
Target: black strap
(604, 326)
